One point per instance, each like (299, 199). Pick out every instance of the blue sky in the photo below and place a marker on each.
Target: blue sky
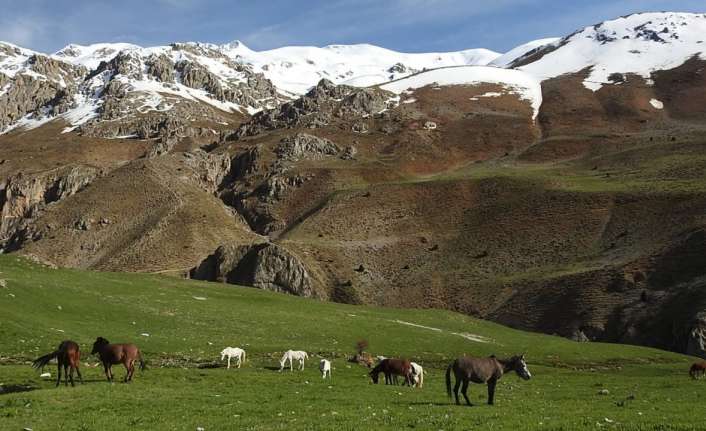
(403, 25)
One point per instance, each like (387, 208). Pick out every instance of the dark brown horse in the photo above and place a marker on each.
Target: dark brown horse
(392, 368)
(697, 370)
(68, 357)
(483, 370)
(111, 354)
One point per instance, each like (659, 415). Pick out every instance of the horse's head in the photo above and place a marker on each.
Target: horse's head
(520, 366)
(98, 345)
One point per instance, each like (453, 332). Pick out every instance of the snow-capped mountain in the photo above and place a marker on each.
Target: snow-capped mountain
(638, 44)
(298, 68)
(101, 88)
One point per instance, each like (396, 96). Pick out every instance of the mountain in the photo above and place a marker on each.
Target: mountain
(558, 187)
(297, 69)
(638, 44)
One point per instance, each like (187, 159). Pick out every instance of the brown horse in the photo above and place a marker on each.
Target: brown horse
(68, 357)
(392, 368)
(111, 354)
(483, 370)
(697, 370)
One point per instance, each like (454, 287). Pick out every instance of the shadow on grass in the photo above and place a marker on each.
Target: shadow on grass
(13, 389)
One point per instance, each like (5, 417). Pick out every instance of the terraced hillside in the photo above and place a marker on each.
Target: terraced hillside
(181, 326)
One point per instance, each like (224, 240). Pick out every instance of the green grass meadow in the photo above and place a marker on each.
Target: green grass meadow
(181, 326)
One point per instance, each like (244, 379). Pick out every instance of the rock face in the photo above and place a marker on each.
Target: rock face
(209, 169)
(305, 146)
(319, 107)
(22, 197)
(696, 338)
(43, 84)
(265, 266)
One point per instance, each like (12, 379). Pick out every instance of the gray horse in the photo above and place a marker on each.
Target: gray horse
(483, 370)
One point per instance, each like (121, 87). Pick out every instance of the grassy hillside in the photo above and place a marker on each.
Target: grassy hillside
(190, 322)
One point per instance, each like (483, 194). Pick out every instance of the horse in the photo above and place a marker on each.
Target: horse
(417, 375)
(325, 368)
(291, 355)
(483, 370)
(111, 354)
(68, 356)
(233, 352)
(697, 370)
(392, 367)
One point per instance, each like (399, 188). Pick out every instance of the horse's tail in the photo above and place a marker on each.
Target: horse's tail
(421, 378)
(43, 360)
(448, 380)
(143, 365)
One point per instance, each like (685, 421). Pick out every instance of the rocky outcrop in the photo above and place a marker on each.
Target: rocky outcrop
(22, 197)
(209, 170)
(318, 108)
(265, 266)
(305, 146)
(696, 336)
(46, 87)
(160, 67)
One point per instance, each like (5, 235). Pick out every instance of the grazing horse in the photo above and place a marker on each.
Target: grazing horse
(392, 367)
(111, 354)
(417, 374)
(325, 368)
(233, 352)
(292, 355)
(68, 357)
(697, 370)
(483, 370)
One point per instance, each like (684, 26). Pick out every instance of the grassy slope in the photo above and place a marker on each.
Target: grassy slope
(563, 394)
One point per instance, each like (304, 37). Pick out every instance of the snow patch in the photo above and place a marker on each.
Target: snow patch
(656, 104)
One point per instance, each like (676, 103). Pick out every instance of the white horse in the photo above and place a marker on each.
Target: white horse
(233, 352)
(291, 355)
(417, 375)
(325, 367)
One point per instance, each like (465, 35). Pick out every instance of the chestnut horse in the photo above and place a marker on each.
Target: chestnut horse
(483, 370)
(111, 354)
(697, 370)
(68, 357)
(391, 368)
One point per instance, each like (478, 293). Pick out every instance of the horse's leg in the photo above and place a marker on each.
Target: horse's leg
(456, 386)
(106, 368)
(66, 374)
(71, 375)
(126, 364)
(228, 362)
(464, 390)
(491, 391)
(78, 373)
(58, 374)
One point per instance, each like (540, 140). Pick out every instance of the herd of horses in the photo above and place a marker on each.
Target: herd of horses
(465, 369)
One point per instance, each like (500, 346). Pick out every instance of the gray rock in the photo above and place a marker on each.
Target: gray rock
(22, 197)
(305, 146)
(696, 336)
(349, 153)
(265, 266)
